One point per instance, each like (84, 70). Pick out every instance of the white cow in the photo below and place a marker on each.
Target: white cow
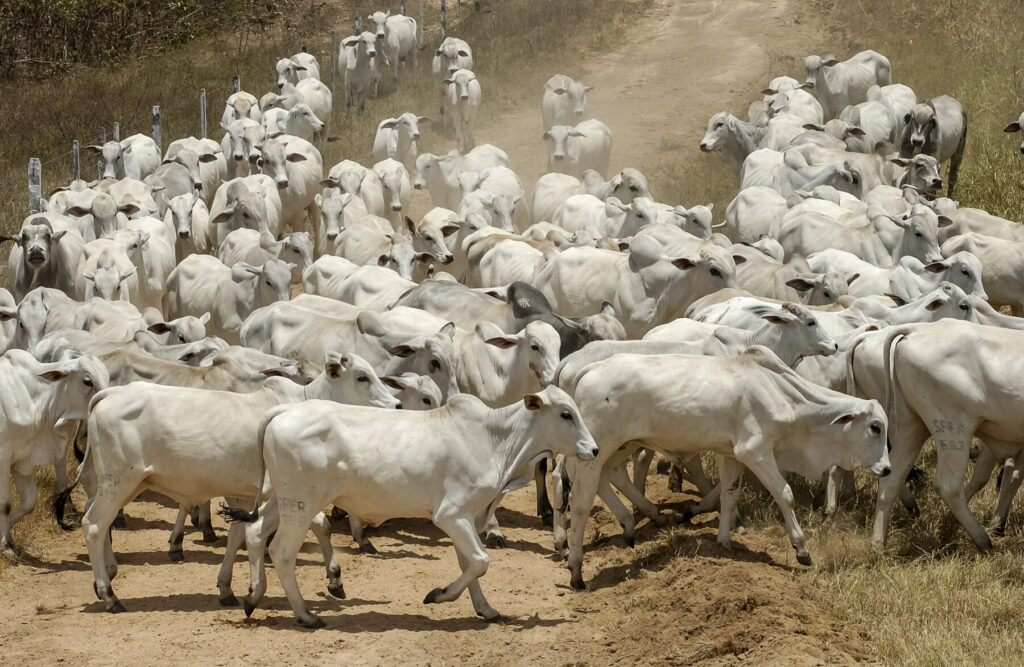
(153, 258)
(241, 105)
(296, 167)
(41, 404)
(194, 445)
(241, 146)
(396, 138)
(564, 101)
(396, 37)
(299, 121)
(106, 271)
(463, 100)
(202, 284)
(836, 85)
(1002, 267)
(213, 166)
(439, 174)
(453, 54)
(189, 217)
(361, 63)
(292, 70)
(574, 149)
(251, 202)
(135, 157)
(454, 481)
(397, 190)
(1016, 127)
(252, 247)
(817, 428)
(936, 127)
(733, 139)
(44, 254)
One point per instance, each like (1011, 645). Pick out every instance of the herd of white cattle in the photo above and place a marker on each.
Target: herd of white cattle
(849, 314)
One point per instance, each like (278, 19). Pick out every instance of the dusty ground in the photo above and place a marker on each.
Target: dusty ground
(682, 600)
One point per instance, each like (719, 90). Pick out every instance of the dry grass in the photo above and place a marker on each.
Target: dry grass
(514, 42)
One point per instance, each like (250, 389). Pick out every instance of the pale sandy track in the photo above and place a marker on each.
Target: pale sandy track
(677, 65)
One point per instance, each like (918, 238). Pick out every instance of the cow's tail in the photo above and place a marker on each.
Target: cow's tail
(893, 337)
(60, 500)
(238, 515)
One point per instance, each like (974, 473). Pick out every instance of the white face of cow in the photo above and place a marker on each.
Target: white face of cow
(332, 211)
(921, 234)
(802, 335)
(32, 313)
(696, 220)
(409, 123)
(537, 346)
(79, 379)
(1016, 127)
(113, 158)
(287, 71)
(297, 249)
(378, 24)
(402, 258)
(922, 173)
(432, 234)
(415, 392)
(558, 139)
(350, 379)
(719, 126)
(181, 214)
(274, 162)
(37, 240)
(814, 69)
(920, 124)
(861, 435)
(433, 356)
(424, 161)
(392, 180)
(367, 45)
(557, 424)
(460, 81)
(962, 269)
(186, 329)
(272, 281)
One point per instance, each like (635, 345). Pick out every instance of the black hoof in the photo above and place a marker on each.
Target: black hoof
(337, 590)
(576, 582)
(367, 548)
(803, 558)
(249, 607)
(495, 541)
(116, 608)
(176, 556)
(338, 514)
(228, 600)
(96, 591)
(433, 595)
(209, 536)
(492, 619)
(316, 624)
(547, 519)
(267, 558)
(999, 531)
(630, 541)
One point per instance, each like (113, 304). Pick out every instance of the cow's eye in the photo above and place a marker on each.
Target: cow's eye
(362, 378)
(435, 364)
(534, 347)
(876, 429)
(426, 401)
(715, 272)
(87, 381)
(181, 338)
(812, 323)
(566, 415)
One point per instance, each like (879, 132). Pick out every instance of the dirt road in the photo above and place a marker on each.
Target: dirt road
(680, 599)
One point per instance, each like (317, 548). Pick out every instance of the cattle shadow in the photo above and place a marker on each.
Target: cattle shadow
(64, 565)
(191, 556)
(376, 621)
(208, 602)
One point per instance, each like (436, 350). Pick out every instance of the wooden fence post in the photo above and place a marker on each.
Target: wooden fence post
(304, 49)
(236, 83)
(202, 113)
(444, 21)
(476, 5)
(35, 184)
(156, 130)
(117, 131)
(334, 60)
(359, 25)
(101, 138)
(421, 24)
(403, 8)
(76, 165)
(458, 7)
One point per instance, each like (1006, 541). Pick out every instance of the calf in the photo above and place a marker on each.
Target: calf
(564, 101)
(937, 127)
(574, 149)
(463, 100)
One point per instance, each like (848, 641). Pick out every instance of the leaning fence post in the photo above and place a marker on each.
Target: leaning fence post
(202, 113)
(117, 131)
(444, 21)
(403, 8)
(236, 83)
(421, 24)
(101, 138)
(35, 184)
(359, 25)
(476, 5)
(156, 130)
(76, 165)
(334, 60)
(458, 7)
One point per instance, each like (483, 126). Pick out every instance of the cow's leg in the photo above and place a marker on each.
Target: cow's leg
(256, 535)
(473, 560)
(561, 486)
(544, 509)
(493, 536)
(840, 483)
(205, 524)
(911, 436)
(6, 544)
(236, 535)
(177, 536)
(1007, 490)
(619, 509)
(284, 548)
(96, 528)
(29, 494)
(708, 503)
(694, 471)
(584, 488)
(730, 473)
(759, 459)
(675, 475)
(355, 526)
(954, 450)
(321, 527)
(617, 475)
(983, 468)
(642, 460)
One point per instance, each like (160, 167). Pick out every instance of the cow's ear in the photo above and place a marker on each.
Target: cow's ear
(160, 328)
(845, 418)
(402, 350)
(333, 368)
(54, 375)
(448, 330)
(935, 304)
(800, 284)
(1012, 127)
(936, 267)
(410, 225)
(533, 402)
(392, 381)
(607, 309)
(851, 279)
(8, 313)
(504, 342)
(275, 371)
(204, 318)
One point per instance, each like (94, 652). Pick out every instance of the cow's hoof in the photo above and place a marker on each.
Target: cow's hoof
(576, 582)
(11, 554)
(339, 514)
(495, 541)
(176, 556)
(367, 548)
(547, 519)
(998, 530)
(209, 536)
(337, 590)
(985, 546)
(248, 606)
(116, 607)
(315, 624)
(490, 617)
(432, 596)
(630, 541)
(803, 557)
(228, 600)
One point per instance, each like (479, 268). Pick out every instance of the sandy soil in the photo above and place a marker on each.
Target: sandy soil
(686, 600)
